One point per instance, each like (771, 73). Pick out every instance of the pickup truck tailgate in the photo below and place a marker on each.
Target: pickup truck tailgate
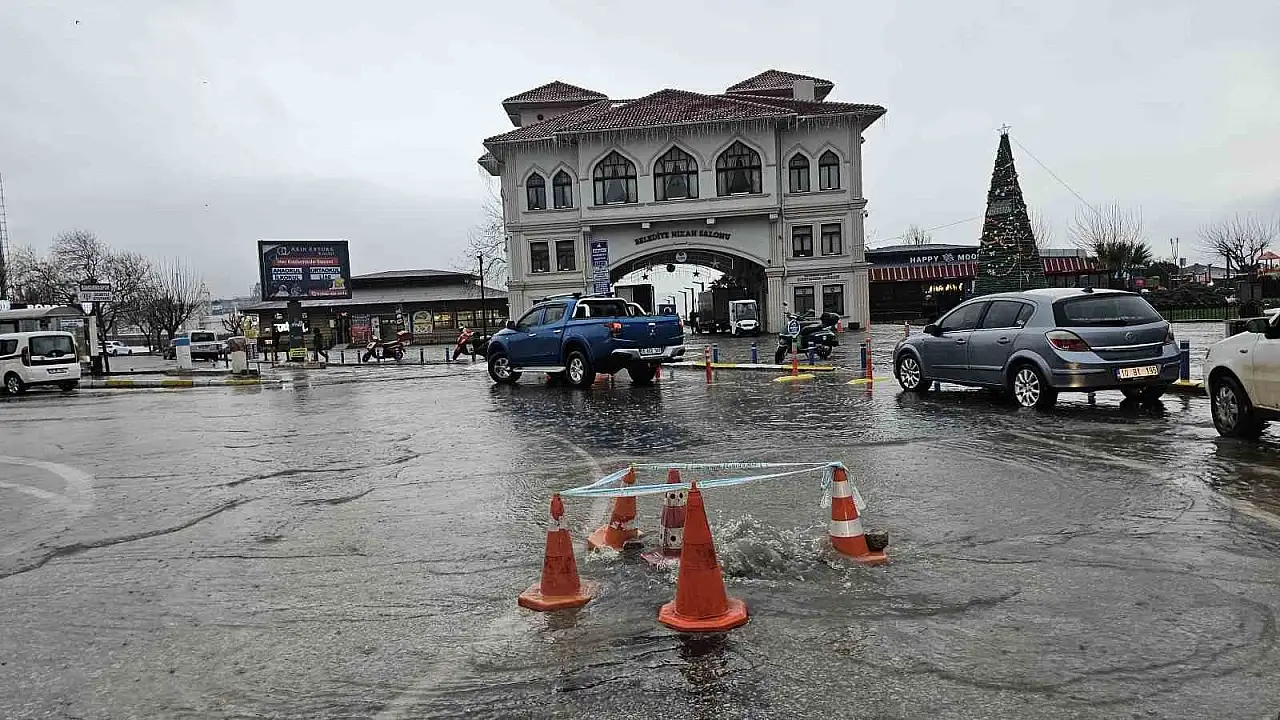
(652, 331)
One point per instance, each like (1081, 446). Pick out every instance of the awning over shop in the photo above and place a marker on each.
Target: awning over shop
(1069, 265)
(930, 271)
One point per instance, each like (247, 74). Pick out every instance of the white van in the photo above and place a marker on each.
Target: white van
(38, 358)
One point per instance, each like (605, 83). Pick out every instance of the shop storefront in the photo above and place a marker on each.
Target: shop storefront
(430, 304)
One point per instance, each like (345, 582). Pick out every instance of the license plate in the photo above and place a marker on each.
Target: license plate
(1138, 372)
(651, 351)
(57, 371)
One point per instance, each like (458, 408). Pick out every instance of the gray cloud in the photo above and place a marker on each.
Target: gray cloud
(331, 119)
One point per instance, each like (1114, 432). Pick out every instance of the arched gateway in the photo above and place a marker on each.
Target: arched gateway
(762, 182)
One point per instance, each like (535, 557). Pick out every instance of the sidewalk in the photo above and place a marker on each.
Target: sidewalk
(177, 383)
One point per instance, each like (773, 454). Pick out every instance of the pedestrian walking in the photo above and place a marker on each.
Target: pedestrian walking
(320, 347)
(275, 344)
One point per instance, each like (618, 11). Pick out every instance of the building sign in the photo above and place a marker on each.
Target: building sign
(304, 269)
(815, 278)
(946, 257)
(94, 292)
(599, 265)
(422, 325)
(669, 234)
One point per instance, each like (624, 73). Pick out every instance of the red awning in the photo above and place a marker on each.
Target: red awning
(1268, 255)
(931, 271)
(1070, 265)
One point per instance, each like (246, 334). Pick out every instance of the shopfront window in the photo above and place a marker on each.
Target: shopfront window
(833, 299)
(803, 296)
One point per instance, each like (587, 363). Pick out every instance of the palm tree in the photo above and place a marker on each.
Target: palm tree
(1121, 257)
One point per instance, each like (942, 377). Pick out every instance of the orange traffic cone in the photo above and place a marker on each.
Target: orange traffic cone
(673, 512)
(619, 532)
(845, 528)
(560, 587)
(701, 604)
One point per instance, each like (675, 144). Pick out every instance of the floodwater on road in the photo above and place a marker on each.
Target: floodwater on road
(352, 546)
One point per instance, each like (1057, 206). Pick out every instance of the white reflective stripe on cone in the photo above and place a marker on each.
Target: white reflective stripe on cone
(845, 528)
(840, 489)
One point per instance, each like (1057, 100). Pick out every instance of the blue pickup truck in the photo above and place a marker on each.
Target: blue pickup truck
(574, 337)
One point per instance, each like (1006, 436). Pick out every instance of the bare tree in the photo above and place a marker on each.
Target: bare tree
(915, 236)
(234, 323)
(1113, 235)
(82, 257)
(1241, 240)
(1041, 230)
(170, 297)
(488, 240)
(128, 273)
(33, 279)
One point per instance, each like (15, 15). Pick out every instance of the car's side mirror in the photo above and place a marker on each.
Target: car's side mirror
(932, 329)
(511, 325)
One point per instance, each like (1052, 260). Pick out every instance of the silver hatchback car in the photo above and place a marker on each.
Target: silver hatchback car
(1037, 343)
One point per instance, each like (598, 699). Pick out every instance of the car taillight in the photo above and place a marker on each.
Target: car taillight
(615, 328)
(1067, 341)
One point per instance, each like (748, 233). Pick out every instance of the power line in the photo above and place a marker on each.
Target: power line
(938, 227)
(1055, 175)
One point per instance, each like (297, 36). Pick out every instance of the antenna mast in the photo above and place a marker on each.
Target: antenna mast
(4, 246)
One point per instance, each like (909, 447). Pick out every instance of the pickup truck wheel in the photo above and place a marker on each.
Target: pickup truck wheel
(500, 369)
(578, 369)
(1233, 413)
(642, 374)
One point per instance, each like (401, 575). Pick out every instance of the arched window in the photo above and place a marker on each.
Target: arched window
(535, 189)
(675, 176)
(615, 180)
(828, 171)
(798, 170)
(738, 170)
(562, 190)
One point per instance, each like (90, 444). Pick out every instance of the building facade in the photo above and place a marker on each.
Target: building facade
(430, 304)
(762, 182)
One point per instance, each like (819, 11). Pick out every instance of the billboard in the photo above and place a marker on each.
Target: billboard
(304, 269)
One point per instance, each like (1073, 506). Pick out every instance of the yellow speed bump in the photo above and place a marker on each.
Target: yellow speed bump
(793, 378)
(864, 381)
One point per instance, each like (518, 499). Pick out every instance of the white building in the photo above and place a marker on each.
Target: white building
(763, 182)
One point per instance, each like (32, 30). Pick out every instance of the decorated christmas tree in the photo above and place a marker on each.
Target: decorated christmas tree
(1007, 258)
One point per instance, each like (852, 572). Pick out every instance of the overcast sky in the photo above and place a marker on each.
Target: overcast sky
(191, 128)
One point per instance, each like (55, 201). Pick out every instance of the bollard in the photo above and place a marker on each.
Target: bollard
(862, 358)
(706, 357)
(446, 355)
(795, 361)
(715, 352)
(906, 329)
(810, 354)
(422, 356)
(342, 357)
(755, 353)
(1184, 356)
(871, 376)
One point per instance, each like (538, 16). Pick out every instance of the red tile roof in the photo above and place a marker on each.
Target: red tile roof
(774, 80)
(804, 107)
(547, 129)
(677, 107)
(552, 93)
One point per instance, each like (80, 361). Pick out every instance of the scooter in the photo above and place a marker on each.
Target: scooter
(382, 349)
(804, 332)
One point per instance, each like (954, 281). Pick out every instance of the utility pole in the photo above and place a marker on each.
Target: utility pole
(484, 312)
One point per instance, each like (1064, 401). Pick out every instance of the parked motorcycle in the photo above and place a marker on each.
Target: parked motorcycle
(382, 349)
(804, 332)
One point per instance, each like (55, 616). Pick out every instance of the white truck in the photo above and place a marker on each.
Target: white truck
(1242, 378)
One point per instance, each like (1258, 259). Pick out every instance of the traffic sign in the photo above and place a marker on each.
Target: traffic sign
(94, 292)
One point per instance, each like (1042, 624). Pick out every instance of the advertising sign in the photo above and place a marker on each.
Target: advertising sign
(599, 265)
(422, 324)
(304, 269)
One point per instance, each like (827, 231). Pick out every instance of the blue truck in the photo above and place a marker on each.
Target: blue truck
(574, 337)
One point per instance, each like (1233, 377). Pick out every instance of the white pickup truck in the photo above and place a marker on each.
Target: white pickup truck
(1242, 377)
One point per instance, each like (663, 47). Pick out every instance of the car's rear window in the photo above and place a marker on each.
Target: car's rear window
(1106, 310)
(203, 337)
(604, 308)
(52, 346)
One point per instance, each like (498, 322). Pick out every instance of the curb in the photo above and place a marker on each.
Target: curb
(174, 383)
(752, 366)
(1187, 387)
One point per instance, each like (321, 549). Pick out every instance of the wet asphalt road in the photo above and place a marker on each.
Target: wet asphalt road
(352, 547)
